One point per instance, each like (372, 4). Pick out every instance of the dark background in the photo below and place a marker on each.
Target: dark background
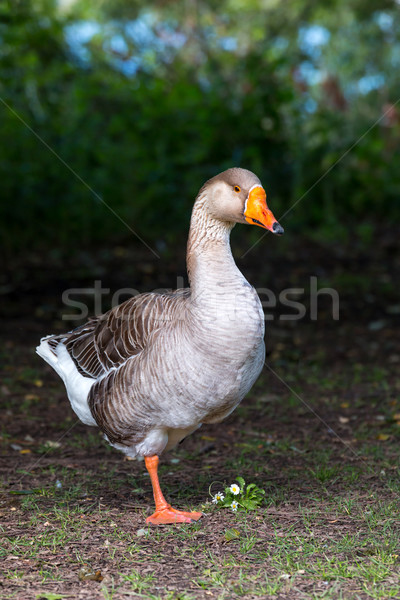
(145, 102)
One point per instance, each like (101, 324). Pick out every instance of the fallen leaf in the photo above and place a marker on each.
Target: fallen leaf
(38, 383)
(142, 532)
(25, 451)
(51, 444)
(31, 397)
(383, 437)
(231, 534)
(86, 573)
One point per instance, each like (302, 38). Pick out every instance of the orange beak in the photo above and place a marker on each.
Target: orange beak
(256, 211)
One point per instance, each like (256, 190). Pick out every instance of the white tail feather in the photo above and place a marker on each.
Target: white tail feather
(77, 385)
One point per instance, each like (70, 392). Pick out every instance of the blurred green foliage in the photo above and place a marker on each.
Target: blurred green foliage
(135, 105)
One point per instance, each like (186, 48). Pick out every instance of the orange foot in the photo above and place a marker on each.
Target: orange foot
(171, 515)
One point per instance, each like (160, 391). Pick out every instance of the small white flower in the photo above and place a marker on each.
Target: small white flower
(219, 497)
(235, 489)
(234, 506)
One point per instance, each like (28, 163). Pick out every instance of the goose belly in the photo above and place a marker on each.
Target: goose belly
(232, 390)
(233, 355)
(205, 379)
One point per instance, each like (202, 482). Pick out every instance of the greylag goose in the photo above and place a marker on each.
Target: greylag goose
(150, 371)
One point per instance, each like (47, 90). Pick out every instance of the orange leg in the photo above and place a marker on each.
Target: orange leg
(164, 512)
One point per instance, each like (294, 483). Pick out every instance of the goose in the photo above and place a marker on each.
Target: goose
(155, 368)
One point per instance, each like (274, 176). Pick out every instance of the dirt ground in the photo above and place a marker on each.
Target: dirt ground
(319, 432)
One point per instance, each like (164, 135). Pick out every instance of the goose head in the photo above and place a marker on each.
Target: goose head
(237, 196)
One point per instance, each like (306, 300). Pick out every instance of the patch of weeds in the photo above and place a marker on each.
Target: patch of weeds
(276, 495)
(4, 435)
(351, 474)
(73, 492)
(325, 473)
(248, 543)
(139, 582)
(89, 441)
(171, 595)
(47, 575)
(382, 591)
(29, 503)
(212, 577)
(238, 582)
(347, 506)
(271, 587)
(14, 574)
(49, 448)
(110, 591)
(240, 497)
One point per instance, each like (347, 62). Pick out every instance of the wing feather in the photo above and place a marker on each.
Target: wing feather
(108, 341)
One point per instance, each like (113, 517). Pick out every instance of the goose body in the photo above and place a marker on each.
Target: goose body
(153, 369)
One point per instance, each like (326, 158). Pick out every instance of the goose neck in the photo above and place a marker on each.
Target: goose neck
(209, 257)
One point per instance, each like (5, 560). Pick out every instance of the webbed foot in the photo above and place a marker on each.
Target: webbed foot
(172, 515)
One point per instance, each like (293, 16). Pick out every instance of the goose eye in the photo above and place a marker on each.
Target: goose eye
(237, 189)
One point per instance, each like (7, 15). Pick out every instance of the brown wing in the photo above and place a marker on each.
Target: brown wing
(108, 341)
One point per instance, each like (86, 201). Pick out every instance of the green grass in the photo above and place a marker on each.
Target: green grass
(346, 542)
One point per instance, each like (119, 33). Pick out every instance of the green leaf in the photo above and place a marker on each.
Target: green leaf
(25, 492)
(227, 500)
(241, 483)
(231, 534)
